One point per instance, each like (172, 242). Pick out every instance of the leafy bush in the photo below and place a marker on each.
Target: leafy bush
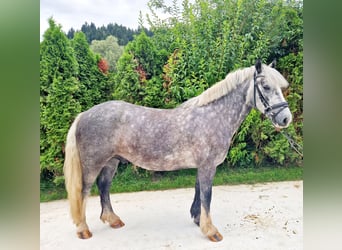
(208, 39)
(108, 49)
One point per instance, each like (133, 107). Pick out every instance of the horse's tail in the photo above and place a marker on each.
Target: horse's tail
(73, 174)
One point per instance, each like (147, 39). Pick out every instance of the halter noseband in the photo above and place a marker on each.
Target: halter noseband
(268, 108)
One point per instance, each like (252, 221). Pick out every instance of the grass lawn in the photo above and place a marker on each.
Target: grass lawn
(128, 179)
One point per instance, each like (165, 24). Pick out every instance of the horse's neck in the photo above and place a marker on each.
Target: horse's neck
(234, 107)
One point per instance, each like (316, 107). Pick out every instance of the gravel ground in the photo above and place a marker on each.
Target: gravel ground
(260, 216)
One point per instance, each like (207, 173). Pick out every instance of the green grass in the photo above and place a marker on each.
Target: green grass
(49, 192)
(129, 180)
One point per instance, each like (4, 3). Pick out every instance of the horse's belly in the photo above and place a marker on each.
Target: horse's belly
(163, 163)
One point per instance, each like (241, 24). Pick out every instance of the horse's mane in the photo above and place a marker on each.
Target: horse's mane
(221, 88)
(231, 81)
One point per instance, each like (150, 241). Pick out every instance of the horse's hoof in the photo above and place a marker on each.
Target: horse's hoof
(86, 234)
(117, 224)
(216, 237)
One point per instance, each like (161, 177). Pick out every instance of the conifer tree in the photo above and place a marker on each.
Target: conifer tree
(139, 73)
(58, 105)
(94, 84)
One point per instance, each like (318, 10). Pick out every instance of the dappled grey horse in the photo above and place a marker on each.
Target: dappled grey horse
(196, 134)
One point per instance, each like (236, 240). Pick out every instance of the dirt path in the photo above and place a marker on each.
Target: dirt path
(261, 216)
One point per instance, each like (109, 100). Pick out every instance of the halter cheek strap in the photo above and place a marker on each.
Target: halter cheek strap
(268, 108)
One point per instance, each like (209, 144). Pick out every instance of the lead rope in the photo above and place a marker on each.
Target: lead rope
(298, 148)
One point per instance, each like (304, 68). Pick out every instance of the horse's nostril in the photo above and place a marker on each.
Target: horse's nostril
(285, 121)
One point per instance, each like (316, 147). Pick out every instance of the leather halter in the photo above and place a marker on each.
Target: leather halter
(269, 109)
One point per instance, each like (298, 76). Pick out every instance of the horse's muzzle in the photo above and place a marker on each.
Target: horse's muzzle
(282, 119)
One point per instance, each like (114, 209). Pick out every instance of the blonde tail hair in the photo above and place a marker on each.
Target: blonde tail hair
(73, 174)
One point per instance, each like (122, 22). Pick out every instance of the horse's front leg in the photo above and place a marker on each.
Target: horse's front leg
(195, 210)
(205, 180)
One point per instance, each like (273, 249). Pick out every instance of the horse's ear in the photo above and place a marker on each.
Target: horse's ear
(258, 66)
(273, 63)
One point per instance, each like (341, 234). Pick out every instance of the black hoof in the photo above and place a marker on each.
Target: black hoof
(197, 220)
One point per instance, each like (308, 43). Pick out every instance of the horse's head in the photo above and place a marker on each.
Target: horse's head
(268, 96)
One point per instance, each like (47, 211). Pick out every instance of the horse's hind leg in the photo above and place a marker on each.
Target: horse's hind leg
(205, 180)
(88, 180)
(104, 182)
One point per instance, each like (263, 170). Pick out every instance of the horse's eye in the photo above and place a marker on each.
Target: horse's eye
(266, 87)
